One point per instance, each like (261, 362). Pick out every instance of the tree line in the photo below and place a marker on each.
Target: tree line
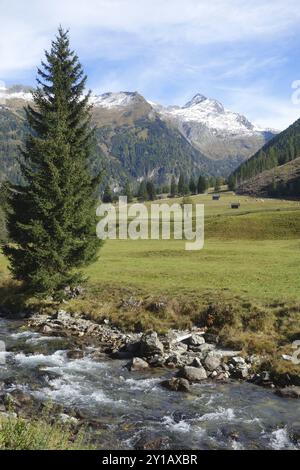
(280, 150)
(148, 191)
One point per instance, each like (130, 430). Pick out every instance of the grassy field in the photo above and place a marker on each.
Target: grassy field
(244, 284)
(252, 252)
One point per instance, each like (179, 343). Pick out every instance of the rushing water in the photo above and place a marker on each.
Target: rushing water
(131, 405)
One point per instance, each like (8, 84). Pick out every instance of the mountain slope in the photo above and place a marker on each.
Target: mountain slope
(281, 149)
(135, 139)
(132, 133)
(281, 181)
(131, 140)
(12, 134)
(217, 132)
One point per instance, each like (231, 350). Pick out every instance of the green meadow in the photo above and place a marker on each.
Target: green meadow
(243, 285)
(252, 252)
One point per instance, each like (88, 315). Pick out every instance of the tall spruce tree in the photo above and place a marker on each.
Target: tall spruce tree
(173, 187)
(51, 218)
(151, 191)
(202, 185)
(181, 184)
(107, 196)
(192, 186)
(142, 192)
(128, 192)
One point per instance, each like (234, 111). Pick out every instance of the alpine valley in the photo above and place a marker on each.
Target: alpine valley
(136, 139)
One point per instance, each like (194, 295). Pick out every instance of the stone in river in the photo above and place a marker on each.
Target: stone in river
(289, 392)
(137, 364)
(193, 374)
(177, 384)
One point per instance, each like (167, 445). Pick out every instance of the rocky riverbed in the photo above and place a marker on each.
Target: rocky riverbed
(143, 390)
(195, 354)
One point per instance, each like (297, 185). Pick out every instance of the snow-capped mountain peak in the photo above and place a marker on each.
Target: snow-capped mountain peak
(15, 93)
(210, 114)
(115, 100)
(197, 99)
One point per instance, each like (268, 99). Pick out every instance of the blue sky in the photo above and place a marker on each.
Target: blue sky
(246, 54)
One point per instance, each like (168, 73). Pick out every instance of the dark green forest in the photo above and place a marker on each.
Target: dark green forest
(281, 149)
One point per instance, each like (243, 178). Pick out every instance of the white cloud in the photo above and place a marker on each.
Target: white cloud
(274, 112)
(153, 43)
(26, 26)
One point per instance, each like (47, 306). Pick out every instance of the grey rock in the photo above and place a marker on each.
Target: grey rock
(265, 376)
(177, 384)
(212, 361)
(221, 376)
(137, 364)
(193, 374)
(150, 345)
(289, 392)
(67, 419)
(238, 360)
(206, 347)
(63, 316)
(47, 329)
(175, 359)
(195, 340)
(157, 360)
(180, 348)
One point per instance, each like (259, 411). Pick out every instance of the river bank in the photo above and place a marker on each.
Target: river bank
(125, 409)
(196, 354)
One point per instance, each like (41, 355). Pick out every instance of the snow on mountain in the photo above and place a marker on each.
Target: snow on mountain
(209, 113)
(14, 93)
(115, 100)
(218, 133)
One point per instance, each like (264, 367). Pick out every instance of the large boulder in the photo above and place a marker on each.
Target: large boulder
(177, 384)
(212, 361)
(150, 345)
(174, 360)
(195, 340)
(193, 374)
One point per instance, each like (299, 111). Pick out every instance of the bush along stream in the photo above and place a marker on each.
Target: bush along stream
(179, 390)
